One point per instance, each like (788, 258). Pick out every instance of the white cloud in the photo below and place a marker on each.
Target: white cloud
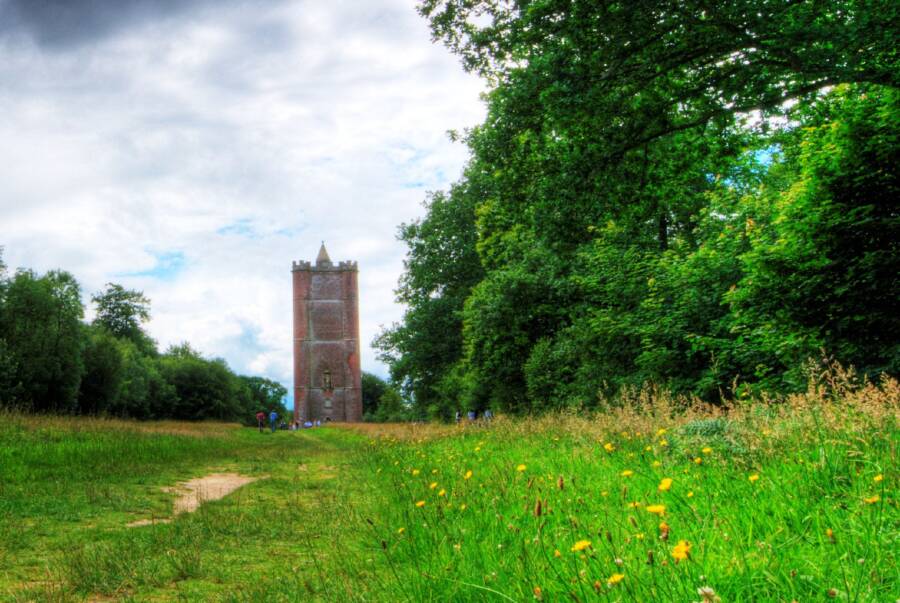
(238, 137)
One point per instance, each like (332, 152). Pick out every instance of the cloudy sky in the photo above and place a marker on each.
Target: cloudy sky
(193, 148)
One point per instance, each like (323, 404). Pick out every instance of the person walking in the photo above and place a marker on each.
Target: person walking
(273, 420)
(261, 420)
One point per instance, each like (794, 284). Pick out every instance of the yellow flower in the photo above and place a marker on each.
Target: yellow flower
(468, 474)
(690, 494)
(580, 545)
(682, 550)
(415, 472)
(462, 507)
(433, 471)
(477, 448)
(754, 477)
(665, 484)
(627, 473)
(707, 450)
(872, 499)
(538, 594)
(648, 448)
(657, 463)
(660, 431)
(442, 492)
(401, 530)
(609, 447)
(639, 536)
(615, 579)
(656, 509)
(420, 504)
(878, 478)
(521, 468)
(698, 460)
(557, 554)
(632, 505)
(432, 485)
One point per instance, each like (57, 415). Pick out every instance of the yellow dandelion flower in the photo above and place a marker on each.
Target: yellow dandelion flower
(632, 505)
(614, 579)
(660, 431)
(415, 472)
(657, 463)
(878, 478)
(656, 509)
(521, 468)
(442, 492)
(690, 495)
(682, 550)
(707, 450)
(665, 484)
(663, 442)
(477, 448)
(648, 448)
(468, 474)
(872, 499)
(401, 530)
(639, 536)
(609, 447)
(538, 593)
(580, 545)
(420, 504)
(462, 507)
(432, 485)
(557, 554)
(754, 477)
(627, 473)
(698, 460)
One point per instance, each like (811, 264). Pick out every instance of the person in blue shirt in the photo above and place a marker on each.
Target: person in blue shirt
(273, 418)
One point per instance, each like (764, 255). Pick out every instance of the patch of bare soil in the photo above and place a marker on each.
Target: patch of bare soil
(193, 493)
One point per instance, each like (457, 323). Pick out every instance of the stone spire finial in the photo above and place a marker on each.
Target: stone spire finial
(322, 259)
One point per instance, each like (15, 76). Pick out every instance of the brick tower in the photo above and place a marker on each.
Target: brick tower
(327, 379)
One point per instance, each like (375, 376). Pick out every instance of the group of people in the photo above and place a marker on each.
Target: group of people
(472, 415)
(273, 423)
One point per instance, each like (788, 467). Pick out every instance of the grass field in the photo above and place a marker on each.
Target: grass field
(655, 500)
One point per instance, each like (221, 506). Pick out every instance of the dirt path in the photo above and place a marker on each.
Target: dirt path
(193, 493)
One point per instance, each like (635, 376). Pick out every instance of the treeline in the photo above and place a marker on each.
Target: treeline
(699, 195)
(52, 361)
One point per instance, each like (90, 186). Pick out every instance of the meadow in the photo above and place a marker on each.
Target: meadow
(655, 499)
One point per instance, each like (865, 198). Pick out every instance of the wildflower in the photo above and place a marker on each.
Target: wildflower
(664, 442)
(830, 534)
(663, 530)
(872, 499)
(648, 448)
(665, 485)
(707, 450)
(614, 579)
(556, 553)
(698, 460)
(682, 550)
(690, 495)
(656, 463)
(634, 504)
(707, 595)
(468, 474)
(420, 504)
(415, 472)
(462, 507)
(538, 594)
(401, 530)
(477, 448)
(434, 472)
(627, 473)
(442, 492)
(580, 545)
(432, 485)
(660, 431)
(639, 536)
(609, 447)
(656, 509)
(754, 477)
(878, 478)
(521, 468)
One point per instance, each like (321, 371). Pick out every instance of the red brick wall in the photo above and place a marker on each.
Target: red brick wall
(326, 337)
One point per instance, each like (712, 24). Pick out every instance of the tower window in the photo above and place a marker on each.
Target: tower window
(326, 381)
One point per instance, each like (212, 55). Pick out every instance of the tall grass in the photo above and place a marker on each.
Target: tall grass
(656, 499)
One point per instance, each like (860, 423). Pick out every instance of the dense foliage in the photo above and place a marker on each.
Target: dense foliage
(702, 196)
(51, 361)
